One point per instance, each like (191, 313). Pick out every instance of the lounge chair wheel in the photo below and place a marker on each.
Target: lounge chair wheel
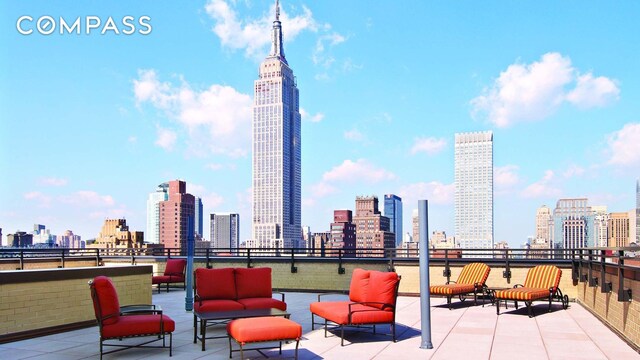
(565, 302)
(462, 298)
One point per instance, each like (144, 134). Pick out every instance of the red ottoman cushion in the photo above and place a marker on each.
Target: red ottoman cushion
(263, 329)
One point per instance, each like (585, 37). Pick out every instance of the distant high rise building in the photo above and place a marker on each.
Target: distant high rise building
(393, 210)
(306, 237)
(42, 236)
(415, 224)
(70, 240)
(198, 216)
(544, 226)
(343, 234)
(600, 225)
(474, 189)
(153, 212)
(638, 212)
(618, 226)
(276, 151)
(20, 239)
(225, 230)
(115, 234)
(439, 240)
(373, 234)
(573, 221)
(176, 215)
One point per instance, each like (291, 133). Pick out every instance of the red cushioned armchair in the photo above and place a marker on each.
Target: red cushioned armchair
(372, 301)
(174, 272)
(117, 322)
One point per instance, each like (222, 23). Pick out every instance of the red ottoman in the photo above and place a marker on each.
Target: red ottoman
(263, 329)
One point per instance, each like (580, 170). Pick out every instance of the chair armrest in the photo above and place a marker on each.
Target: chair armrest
(280, 293)
(140, 309)
(329, 293)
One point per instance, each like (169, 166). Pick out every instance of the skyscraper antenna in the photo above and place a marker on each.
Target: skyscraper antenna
(277, 10)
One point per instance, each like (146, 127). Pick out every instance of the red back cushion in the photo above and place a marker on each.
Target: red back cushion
(214, 284)
(253, 283)
(175, 266)
(359, 284)
(382, 288)
(105, 300)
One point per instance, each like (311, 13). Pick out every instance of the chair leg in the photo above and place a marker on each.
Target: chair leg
(101, 349)
(312, 321)
(475, 297)
(393, 331)
(341, 335)
(497, 301)
(550, 297)
(296, 353)
(325, 327)
(449, 302)
(529, 309)
(170, 344)
(230, 351)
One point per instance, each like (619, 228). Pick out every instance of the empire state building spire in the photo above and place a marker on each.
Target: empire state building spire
(277, 49)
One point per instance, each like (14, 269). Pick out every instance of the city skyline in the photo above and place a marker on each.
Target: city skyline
(87, 134)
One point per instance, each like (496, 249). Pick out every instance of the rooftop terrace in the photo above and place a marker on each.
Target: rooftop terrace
(467, 331)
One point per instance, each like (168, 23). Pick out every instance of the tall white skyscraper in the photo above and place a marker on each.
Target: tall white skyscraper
(474, 189)
(276, 151)
(225, 230)
(153, 213)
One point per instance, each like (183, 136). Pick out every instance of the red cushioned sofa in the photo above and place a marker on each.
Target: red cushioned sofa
(230, 289)
(173, 274)
(372, 301)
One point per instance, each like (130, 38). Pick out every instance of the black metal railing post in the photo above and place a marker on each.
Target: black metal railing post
(593, 281)
(248, 258)
(21, 260)
(623, 294)
(447, 269)
(606, 286)
(507, 267)
(341, 270)
(208, 258)
(294, 268)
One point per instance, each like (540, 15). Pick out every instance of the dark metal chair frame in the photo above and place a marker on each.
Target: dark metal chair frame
(130, 310)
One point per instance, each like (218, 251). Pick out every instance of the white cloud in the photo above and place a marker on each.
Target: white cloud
(213, 166)
(525, 92)
(87, 198)
(573, 170)
(624, 145)
(44, 201)
(132, 139)
(360, 170)
(322, 189)
(354, 135)
(166, 138)
(543, 188)
(217, 119)
(429, 145)
(593, 92)
(254, 35)
(53, 181)
(313, 118)
(210, 199)
(506, 177)
(319, 56)
(434, 191)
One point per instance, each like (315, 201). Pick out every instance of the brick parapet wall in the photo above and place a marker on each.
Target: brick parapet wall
(41, 300)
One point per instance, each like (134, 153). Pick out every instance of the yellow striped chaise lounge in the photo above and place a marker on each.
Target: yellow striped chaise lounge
(541, 283)
(471, 280)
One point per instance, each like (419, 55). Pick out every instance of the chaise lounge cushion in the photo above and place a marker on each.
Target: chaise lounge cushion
(451, 289)
(338, 312)
(217, 305)
(253, 283)
(109, 304)
(213, 284)
(541, 281)
(133, 325)
(359, 285)
(522, 293)
(263, 303)
(381, 291)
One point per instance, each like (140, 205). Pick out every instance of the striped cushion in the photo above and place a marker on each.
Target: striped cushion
(543, 277)
(522, 293)
(451, 289)
(474, 273)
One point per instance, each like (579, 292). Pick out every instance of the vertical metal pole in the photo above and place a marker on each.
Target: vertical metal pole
(188, 300)
(425, 300)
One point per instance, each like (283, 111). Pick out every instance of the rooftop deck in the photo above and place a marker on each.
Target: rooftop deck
(467, 331)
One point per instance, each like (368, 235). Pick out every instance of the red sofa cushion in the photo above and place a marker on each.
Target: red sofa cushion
(338, 312)
(253, 283)
(382, 289)
(107, 298)
(264, 329)
(359, 285)
(215, 284)
(217, 305)
(138, 324)
(263, 303)
(175, 267)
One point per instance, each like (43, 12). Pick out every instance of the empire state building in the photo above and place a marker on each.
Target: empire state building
(276, 151)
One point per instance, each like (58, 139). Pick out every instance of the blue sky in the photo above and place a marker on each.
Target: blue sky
(90, 124)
